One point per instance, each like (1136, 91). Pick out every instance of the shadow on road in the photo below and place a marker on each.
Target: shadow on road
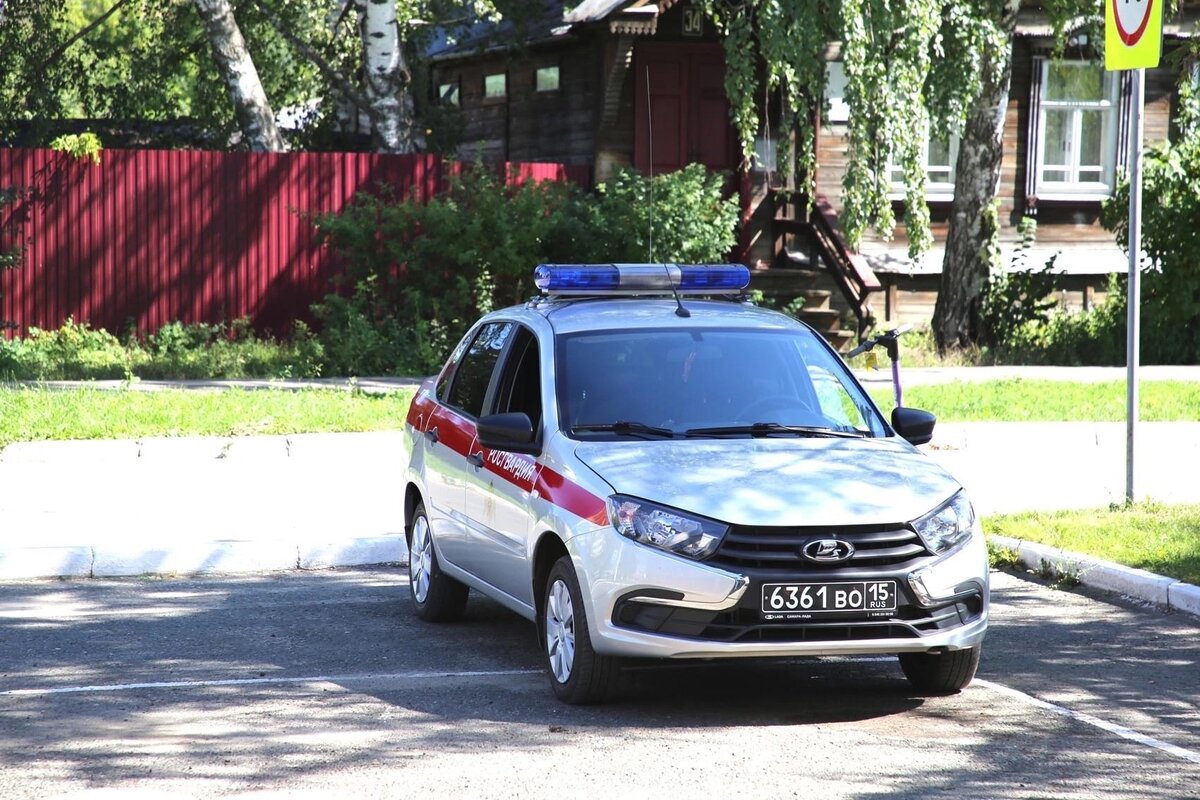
(436, 700)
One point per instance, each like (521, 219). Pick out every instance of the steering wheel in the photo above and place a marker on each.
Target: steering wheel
(756, 409)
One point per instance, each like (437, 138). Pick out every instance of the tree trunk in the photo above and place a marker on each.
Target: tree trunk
(254, 114)
(386, 77)
(971, 242)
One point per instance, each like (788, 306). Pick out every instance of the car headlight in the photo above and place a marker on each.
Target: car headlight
(665, 528)
(948, 526)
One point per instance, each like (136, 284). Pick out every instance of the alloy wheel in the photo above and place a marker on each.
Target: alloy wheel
(420, 559)
(560, 631)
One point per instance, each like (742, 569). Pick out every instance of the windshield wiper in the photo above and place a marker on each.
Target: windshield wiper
(768, 428)
(625, 427)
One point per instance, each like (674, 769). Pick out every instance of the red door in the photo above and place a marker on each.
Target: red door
(681, 114)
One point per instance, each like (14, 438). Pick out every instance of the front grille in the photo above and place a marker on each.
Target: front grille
(746, 624)
(779, 549)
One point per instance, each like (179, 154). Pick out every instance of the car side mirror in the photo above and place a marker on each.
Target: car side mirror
(913, 424)
(512, 432)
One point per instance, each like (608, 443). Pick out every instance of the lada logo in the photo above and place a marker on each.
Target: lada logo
(827, 551)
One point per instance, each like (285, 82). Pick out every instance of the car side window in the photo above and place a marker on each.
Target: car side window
(447, 373)
(474, 373)
(521, 386)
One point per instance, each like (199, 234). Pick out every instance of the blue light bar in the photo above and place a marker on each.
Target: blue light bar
(593, 279)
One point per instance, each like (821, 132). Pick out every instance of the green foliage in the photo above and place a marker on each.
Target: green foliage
(913, 69)
(149, 61)
(420, 274)
(76, 351)
(684, 210)
(32, 79)
(1000, 557)
(1087, 338)
(80, 146)
(73, 351)
(1017, 297)
(12, 256)
(1170, 280)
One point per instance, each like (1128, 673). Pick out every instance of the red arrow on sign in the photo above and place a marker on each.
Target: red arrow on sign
(1132, 17)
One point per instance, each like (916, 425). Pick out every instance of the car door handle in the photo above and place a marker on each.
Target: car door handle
(476, 459)
(432, 435)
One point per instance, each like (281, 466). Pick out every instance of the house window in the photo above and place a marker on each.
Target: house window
(448, 94)
(495, 86)
(939, 157)
(835, 93)
(1077, 118)
(546, 79)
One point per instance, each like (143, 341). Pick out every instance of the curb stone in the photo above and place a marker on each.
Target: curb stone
(1136, 583)
(129, 559)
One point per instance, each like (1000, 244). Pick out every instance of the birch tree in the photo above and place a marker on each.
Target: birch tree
(385, 28)
(254, 114)
(972, 244)
(386, 77)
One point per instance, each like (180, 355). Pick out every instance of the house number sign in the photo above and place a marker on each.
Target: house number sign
(693, 21)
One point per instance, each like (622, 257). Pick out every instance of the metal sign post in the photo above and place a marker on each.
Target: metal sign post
(1133, 41)
(1133, 320)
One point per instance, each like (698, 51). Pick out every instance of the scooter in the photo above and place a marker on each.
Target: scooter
(890, 340)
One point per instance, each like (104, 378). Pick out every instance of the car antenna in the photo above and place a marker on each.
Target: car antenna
(680, 311)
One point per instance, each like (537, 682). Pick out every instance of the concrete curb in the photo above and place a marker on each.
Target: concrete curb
(198, 558)
(1136, 583)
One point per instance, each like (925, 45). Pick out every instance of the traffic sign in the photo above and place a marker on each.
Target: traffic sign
(1132, 34)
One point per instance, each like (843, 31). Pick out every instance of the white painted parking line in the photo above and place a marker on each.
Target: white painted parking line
(123, 687)
(1111, 727)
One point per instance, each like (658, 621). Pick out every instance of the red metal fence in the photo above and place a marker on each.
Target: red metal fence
(151, 236)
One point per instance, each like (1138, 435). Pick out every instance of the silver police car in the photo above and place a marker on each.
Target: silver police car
(645, 472)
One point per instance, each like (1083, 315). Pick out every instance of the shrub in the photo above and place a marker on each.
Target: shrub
(73, 351)
(1089, 338)
(176, 351)
(1170, 239)
(420, 274)
(1016, 298)
(689, 220)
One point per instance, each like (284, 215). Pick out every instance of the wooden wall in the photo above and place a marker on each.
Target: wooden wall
(527, 125)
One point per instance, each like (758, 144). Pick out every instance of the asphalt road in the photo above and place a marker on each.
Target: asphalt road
(324, 684)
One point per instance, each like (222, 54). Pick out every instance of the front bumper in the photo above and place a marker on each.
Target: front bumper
(647, 603)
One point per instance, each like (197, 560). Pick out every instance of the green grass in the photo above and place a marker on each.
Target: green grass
(1021, 400)
(39, 414)
(1160, 538)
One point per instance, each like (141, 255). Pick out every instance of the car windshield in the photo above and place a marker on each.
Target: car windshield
(650, 384)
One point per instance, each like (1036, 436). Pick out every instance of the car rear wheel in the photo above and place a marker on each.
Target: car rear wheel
(577, 673)
(436, 596)
(940, 673)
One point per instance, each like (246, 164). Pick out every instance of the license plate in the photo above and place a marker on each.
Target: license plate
(786, 601)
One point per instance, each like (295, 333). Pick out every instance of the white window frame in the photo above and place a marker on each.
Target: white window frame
(1072, 188)
(934, 190)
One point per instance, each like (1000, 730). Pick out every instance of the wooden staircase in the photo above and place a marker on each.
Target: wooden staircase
(812, 261)
(783, 284)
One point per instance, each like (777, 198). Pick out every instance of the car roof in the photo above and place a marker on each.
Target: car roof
(615, 313)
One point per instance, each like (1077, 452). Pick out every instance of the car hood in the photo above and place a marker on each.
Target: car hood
(777, 481)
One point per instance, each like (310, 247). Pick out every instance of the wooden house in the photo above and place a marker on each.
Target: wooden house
(612, 83)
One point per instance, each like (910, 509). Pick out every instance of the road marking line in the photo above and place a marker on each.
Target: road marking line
(121, 687)
(1111, 727)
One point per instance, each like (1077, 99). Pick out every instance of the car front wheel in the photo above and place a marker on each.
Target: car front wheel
(436, 596)
(940, 673)
(578, 674)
